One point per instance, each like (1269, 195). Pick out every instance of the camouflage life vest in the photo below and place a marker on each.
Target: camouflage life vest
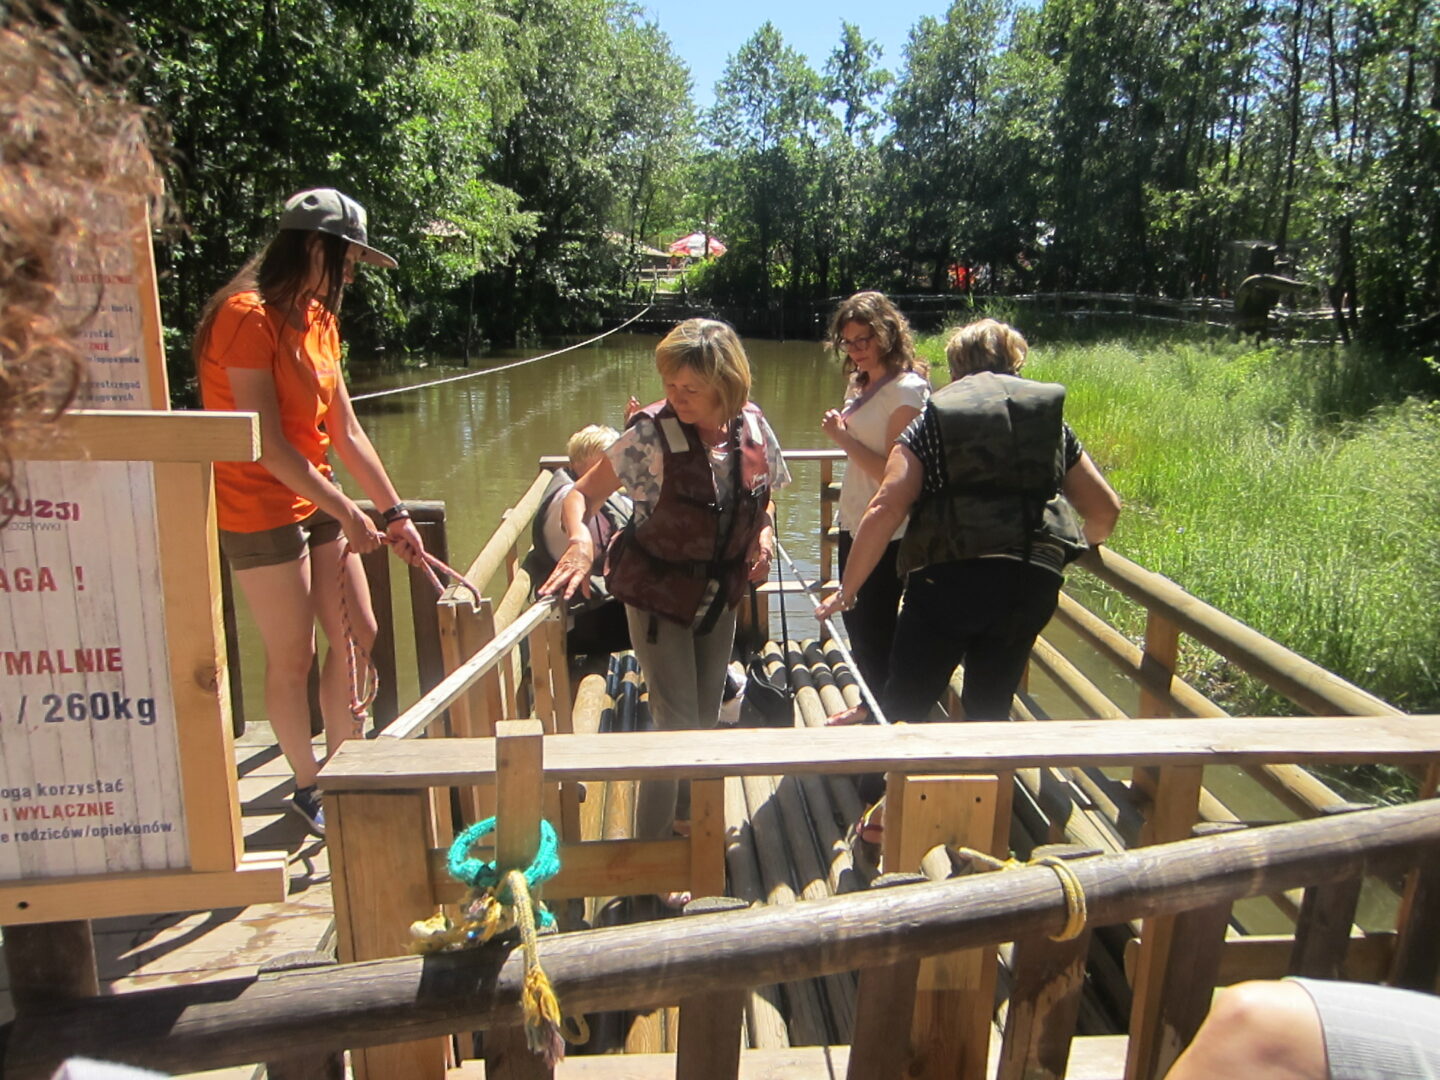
(613, 515)
(662, 564)
(1004, 447)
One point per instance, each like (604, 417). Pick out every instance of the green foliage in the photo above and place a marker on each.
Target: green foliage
(1099, 145)
(1241, 484)
(515, 153)
(497, 144)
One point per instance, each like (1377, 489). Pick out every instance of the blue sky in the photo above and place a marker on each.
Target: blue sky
(706, 33)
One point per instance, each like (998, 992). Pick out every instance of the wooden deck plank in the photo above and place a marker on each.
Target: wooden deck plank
(1093, 1057)
(916, 748)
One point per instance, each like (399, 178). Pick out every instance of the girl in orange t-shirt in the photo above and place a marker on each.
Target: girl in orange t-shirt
(269, 343)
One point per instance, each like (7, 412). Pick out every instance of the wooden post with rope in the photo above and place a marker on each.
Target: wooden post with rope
(950, 1030)
(1047, 979)
(519, 803)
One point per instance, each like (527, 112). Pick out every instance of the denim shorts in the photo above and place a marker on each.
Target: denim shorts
(274, 547)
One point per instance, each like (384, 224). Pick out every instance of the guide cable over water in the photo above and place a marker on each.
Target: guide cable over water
(502, 367)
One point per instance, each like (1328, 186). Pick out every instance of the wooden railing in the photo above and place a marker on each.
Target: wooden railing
(910, 943)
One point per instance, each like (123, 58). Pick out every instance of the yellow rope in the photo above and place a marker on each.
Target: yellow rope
(1077, 911)
(544, 1023)
(547, 1028)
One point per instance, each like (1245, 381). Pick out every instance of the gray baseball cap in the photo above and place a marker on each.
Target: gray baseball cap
(329, 211)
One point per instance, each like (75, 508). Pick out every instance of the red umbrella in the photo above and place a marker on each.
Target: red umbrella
(694, 246)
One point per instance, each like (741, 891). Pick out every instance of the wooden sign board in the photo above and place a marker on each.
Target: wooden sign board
(115, 746)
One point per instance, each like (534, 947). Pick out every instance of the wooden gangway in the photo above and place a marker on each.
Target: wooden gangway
(1097, 784)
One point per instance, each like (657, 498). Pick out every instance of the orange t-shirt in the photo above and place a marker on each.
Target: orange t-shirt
(306, 367)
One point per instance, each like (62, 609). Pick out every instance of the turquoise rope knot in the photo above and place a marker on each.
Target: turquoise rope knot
(482, 874)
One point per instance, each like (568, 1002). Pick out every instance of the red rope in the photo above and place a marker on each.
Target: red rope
(364, 684)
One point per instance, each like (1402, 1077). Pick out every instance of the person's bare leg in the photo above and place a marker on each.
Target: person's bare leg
(279, 599)
(1258, 1031)
(855, 714)
(335, 672)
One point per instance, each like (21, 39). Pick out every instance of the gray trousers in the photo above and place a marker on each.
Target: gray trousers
(685, 676)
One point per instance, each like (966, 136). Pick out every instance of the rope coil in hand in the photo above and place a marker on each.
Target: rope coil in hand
(498, 901)
(1076, 909)
(364, 678)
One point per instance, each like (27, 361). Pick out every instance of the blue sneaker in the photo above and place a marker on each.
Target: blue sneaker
(306, 803)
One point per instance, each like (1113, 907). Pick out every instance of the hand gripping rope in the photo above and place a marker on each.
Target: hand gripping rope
(498, 901)
(364, 679)
(1076, 909)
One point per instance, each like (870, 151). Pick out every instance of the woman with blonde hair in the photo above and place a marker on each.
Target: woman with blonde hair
(886, 387)
(700, 466)
(992, 479)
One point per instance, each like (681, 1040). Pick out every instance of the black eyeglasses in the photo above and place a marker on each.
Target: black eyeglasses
(856, 343)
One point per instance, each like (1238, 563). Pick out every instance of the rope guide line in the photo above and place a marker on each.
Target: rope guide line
(503, 367)
(364, 678)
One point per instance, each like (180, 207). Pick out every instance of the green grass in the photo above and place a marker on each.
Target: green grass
(1278, 485)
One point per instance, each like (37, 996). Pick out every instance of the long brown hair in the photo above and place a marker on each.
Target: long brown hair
(69, 141)
(279, 273)
(879, 314)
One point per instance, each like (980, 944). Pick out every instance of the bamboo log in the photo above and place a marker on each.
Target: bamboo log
(841, 789)
(512, 527)
(807, 1014)
(764, 1015)
(815, 885)
(1300, 790)
(235, 1021)
(844, 677)
(1303, 682)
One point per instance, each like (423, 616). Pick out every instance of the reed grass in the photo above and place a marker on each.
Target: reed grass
(1296, 490)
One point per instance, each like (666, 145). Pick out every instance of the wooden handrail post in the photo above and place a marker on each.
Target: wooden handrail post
(519, 791)
(707, 838)
(884, 1005)
(827, 518)
(1046, 980)
(464, 630)
(379, 846)
(1171, 817)
(954, 1004)
(1322, 931)
(1417, 950)
(424, 609)
(711, 1024)
(562, 706)
(1193, 942)
(519, 799)
(50, 963)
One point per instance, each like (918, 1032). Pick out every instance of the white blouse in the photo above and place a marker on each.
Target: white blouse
(868, 426)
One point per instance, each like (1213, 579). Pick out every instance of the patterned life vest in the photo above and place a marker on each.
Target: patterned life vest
(1004, 446)
(662, 564)
(613, 515)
